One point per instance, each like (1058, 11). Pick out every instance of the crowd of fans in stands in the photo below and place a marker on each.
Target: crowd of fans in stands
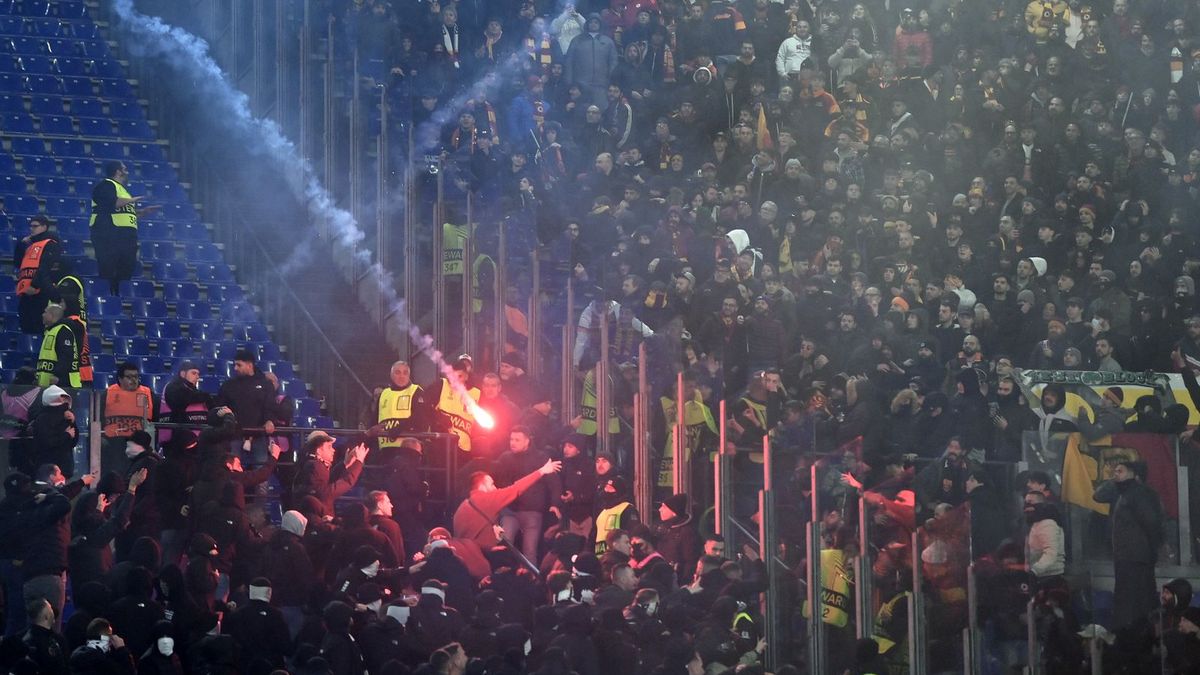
(850, 221)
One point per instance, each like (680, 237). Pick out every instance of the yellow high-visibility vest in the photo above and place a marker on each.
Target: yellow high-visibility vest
(125, 216)
(461, 419)
(395, 406)
(48, 359)
(835, 589)
(607, 521)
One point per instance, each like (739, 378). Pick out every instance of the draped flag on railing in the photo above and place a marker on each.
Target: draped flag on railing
(1086, 465)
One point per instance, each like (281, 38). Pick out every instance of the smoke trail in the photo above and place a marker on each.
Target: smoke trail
(154, 38)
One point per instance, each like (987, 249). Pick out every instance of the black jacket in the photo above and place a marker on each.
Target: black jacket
(46, 533)
(287, 565)
(51, 440)
(545, 493)
(261, 632)
(250, 397)
(91, 661)
(1137, 520)
(90, 555)
(47, 649)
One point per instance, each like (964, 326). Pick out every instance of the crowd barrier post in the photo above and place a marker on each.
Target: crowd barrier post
(681, 465)
(916, 612)
(603, 384)
(566, 361)
(864, 607)
(438, 286)
(412, 268)
(1186, 554)
(95, 434)
(723, 486)
(533, 353)
(305, 46)
(329, 111)
(468, 285)
(972, 640)
(283, 99)
(382, 231)
(500, 280)
(768, 538)
(644, 476)
(816, 626)
(354, 131)
(1033, 657)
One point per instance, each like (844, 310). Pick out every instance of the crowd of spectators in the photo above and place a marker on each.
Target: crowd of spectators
(850, 221)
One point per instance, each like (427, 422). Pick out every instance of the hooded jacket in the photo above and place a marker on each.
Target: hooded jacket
(1045, 547)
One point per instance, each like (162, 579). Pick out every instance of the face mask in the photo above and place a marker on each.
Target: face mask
(132, 450)
(651, 608)
(587, 596)
(528, 647)
(372, 569)
(374, 606)
(166, 646)
(105, 643)
(399, 613)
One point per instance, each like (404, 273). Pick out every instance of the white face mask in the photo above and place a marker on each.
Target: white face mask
(528, 647)
(372, 569)
(651, 608)
(132, 450)
(399, 613)
(166, 645)
(105, 643)
(587, 596)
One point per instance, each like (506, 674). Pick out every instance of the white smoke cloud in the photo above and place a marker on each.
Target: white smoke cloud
(152, 38)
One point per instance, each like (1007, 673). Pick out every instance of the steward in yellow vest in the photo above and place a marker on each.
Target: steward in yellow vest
(69, 290)
(58, 358)
(698, 423)
(114, 224)
(616, 511)
(38, 257)
(453, 414)
(400, 408)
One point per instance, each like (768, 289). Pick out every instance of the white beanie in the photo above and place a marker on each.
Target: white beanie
(53, 394)
(294, 522)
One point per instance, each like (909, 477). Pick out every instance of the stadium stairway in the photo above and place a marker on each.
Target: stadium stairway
(66, 107)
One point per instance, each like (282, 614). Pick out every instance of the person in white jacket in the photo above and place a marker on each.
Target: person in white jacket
(1045, 547)
(795, 50)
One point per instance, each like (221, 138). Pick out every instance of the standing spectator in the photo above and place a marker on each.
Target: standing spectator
(114, 225)
(128, 407)
(1045, 547)
(45, 533)
(676, 535)
(53, 431)
(399, 409)
(590, 61)
(44, 645)
(525, 513)
(476, 518)
(37, 259)
(182, 402)
(251, 397)
(315, 478)
(1137, 519)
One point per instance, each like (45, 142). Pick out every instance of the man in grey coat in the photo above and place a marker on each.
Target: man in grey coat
(590, 61)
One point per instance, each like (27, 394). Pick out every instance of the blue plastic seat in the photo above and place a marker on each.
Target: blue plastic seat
(98, 127)
(213, 272)
(146, 152)
(135, 129)
(80, 168)
(73, 248)
(119, 327)
(58, 207)
(11, 103)
(115, 87)
(223, 293)
(86, 267)
(13, 185)
(17, 123)
(171, 271)
(107, 150)
(45, 105)
(28, 146)
(34, 165)
(105, 307)
(165, 329)
(124, 110)
(153, 366)
(305, 407)
(68, 147)
(194, 311)
(78, 86)
(142, 289)
(34, 65)
(42, 84)
(131, 346)
(104, 363)
(52, 185)
(70, 66)
(149, 309)
(258, 332)
(57, 124)
(20, 204)
(282, 369)
(87, 106)
(181, 292)
(7, 163)
(176, 349)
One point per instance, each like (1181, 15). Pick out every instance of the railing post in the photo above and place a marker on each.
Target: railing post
(383, 239)
(681, 464)
(972, 652)
(329, 111)
(916, 612)
(570, 325)
(768, 538)
(644, 475)
(439, 260)
(355, 143)
(501, 280)
(723, 487)
(1031, 637)
(603, 383)
(469, 280)
(533, 355)
(816, 625)
(864, 607)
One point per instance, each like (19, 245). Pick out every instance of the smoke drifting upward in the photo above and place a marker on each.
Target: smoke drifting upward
(150, 37)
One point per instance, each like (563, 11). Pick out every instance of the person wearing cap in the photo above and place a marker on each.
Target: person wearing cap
(58, 359)
(315, 478)
(259, 627)
(44, 533)
(251, 397)
(452, 414)
(676, 534)
(128, 407)
(1136, 517)
(182, 402)
(53, 431)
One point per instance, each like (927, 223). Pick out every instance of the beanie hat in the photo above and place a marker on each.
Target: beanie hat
(1039, 264)
(294, 522)
(53, 396)
(677, 503)
(1026, 296)
(142, 439)
(365, 555)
